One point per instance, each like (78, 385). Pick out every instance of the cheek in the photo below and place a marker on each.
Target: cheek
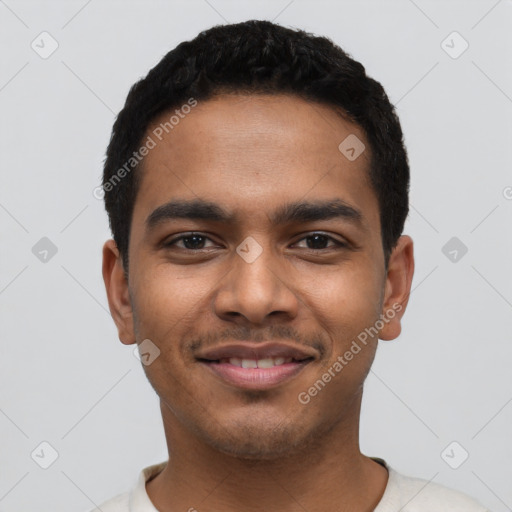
(165, 300)
(164, 307)
(344, 301)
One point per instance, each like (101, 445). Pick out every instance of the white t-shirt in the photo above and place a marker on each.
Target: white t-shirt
(402, 493)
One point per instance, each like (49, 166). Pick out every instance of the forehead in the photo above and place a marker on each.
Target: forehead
(254, 128)
(254, 152)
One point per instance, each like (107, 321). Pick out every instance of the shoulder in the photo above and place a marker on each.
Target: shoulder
(119, 503)
(135, 499)
(418, 495)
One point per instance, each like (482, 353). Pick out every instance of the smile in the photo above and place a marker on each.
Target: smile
(257, 366)
(256, 374)
(268, 362)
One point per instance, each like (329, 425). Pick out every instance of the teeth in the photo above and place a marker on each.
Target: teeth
(268, 362)
(265, 363)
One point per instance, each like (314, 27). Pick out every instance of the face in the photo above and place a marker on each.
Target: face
(256, 242)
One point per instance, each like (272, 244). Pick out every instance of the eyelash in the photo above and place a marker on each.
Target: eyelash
(338, 243)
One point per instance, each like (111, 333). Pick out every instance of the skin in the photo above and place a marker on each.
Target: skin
(232, 449)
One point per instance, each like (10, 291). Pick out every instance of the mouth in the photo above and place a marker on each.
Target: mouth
(257, 368)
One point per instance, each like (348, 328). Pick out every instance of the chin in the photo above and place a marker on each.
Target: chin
(268, 441)
(255, 449)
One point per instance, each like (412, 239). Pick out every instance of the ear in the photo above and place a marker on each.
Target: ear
(118, 295)
(398, 287)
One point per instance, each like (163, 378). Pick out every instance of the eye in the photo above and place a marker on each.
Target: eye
(318, 241)
(198, 241)
(191, 241)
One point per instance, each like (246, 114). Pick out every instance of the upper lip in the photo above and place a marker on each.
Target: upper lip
(246, 350)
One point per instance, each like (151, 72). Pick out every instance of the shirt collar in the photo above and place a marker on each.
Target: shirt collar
(139, 499)
(140, 502)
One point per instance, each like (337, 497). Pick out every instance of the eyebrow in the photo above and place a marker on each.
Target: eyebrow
(299, 211)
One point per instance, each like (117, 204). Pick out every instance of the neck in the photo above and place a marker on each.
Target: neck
(329, 470)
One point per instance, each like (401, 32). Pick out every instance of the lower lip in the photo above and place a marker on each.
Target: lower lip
(256, 378)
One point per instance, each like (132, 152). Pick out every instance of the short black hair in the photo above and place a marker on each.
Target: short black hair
(257, 57)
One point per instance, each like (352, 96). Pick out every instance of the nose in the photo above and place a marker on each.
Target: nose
(255, 289)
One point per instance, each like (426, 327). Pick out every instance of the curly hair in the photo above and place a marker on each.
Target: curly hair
(260, 57)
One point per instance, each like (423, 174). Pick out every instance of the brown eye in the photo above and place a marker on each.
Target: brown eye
(191, 241)
(319, 241)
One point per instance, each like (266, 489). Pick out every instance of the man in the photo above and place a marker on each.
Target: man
(256, 184)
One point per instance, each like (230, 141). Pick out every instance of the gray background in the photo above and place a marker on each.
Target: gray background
(67, 380)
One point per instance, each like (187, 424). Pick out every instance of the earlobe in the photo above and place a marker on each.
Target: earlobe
(398, 287)
(118, 295)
